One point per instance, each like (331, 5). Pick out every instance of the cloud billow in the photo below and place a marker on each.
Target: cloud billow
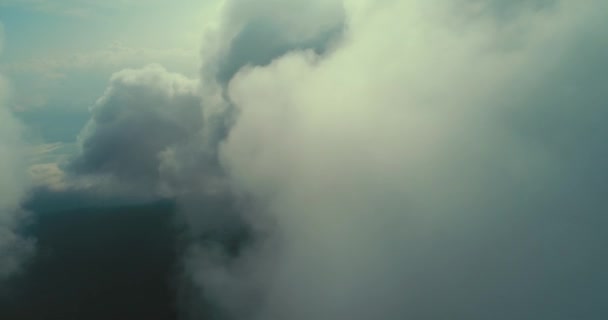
(142, 114)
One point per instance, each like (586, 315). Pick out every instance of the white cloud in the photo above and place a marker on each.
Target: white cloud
(394, 164)
(13, 183)
(143, 114)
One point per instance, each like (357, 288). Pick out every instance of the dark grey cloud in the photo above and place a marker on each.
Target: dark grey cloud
(255, 33)
(261, 41)
(142, 114)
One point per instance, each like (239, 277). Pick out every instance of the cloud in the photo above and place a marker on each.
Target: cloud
(141, 115)
(232, 40)
(389, 159)
(13, 183)
(441, 162)
(157, 133)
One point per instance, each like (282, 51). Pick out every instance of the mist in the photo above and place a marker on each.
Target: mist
(13, 184)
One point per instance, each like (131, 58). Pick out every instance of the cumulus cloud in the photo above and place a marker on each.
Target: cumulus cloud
(142, 114)
(13, 183)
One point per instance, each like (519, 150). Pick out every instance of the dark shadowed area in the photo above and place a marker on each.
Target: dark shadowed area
(107, 257)
(98, 263)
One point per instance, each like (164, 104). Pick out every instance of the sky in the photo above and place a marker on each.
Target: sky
(326, 159)
(60, 54)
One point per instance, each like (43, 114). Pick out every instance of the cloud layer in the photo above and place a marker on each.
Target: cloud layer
(142, 114)
(232, 42)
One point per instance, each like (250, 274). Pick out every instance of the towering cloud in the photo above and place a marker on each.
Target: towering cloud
(13, 182)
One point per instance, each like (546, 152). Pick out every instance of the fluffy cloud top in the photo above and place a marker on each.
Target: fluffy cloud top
(141, 115)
